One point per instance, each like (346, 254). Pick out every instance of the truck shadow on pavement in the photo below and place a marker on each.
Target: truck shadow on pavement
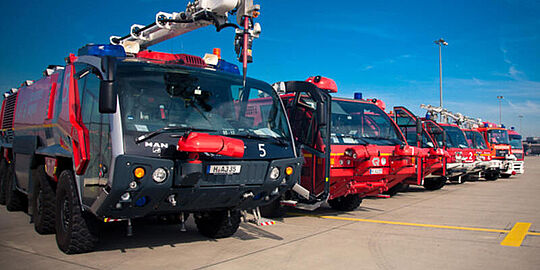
(151, 233)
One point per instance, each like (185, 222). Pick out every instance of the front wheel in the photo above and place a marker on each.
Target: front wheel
(346, 203)
(218, 224)
(435, 184)
(491, 175)
(75, 232)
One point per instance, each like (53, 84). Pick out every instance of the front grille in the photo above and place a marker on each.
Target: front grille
(501, 153)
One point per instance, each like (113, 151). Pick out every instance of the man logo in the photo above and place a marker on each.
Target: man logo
(156, 146)
(376, 161)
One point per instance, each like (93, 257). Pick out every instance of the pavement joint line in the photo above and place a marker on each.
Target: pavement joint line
(48, 257)
(519, 233)
(516, 236)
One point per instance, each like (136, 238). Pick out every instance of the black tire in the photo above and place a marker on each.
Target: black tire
(3, 181)
(43, 202)
(15, 200)
(394, 190)
(75, 231)
(491, 175)
(435, 184)
(273, 209)
(346, 203)
(504, 175)
(216, 224)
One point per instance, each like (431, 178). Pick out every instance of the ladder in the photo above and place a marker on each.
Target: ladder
(460, 119)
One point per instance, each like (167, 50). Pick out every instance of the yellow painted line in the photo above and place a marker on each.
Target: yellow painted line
(516, 235)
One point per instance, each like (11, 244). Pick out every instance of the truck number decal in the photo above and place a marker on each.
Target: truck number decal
(262, 151)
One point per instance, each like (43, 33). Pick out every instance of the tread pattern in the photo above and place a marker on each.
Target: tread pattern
(3, 181)
(15, 201)
(44, 199)
(216, 224)
(346, 203)
(80, 237)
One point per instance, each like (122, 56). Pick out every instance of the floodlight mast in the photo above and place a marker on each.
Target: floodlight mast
(198, 14)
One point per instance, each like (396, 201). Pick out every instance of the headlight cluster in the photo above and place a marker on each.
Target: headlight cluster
(159, 175)
(275, 172)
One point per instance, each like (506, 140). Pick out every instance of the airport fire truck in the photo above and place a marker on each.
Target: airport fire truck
(351, 147)
(498, 142)
(432, 167)
(462, 158)
(120, 132)
(516, 144)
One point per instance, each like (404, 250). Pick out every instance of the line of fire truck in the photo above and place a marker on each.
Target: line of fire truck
(120, 132)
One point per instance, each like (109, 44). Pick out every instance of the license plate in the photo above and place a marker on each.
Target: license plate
(376, 171)
(224, 169)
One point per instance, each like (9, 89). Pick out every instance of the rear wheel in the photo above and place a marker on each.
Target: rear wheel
(43, 202)
(346, 203)
(75, 231)
(15, 200)
(434, 183)
(3, 181)
(218, 224)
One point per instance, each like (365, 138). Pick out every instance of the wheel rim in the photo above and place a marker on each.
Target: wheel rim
(66, 215)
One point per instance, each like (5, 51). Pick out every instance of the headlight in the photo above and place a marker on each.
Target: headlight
(274, 173)
(159, 175)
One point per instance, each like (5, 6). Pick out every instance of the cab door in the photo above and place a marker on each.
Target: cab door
(309, 110)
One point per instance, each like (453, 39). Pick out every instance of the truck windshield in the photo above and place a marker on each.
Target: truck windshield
(455, 137)
(515, 142)
(154, 97)
(476, 139)
(361, 123)
(498, 136)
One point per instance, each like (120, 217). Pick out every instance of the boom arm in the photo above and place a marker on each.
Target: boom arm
(197, 14)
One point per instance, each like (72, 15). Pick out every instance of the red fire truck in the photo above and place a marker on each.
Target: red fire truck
(432, 173)
(351, 147)
(516, 143)
(120, 132)
(498, 142)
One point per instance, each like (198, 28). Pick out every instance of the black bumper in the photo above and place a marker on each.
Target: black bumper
(193, 190)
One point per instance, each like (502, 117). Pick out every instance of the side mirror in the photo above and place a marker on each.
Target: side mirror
(322, 114)
(419, 132)
(107, 97)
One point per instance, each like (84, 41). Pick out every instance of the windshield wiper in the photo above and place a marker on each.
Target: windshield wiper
(362, 140)
(149, 135)
(279, 140)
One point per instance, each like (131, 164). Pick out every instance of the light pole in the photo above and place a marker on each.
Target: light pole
(500, 114)
(441, 43)
(520, 117)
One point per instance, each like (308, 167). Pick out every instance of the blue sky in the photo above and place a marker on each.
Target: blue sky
(383, 49)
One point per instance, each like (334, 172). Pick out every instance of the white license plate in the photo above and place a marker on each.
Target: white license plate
(224, 169)
(376, 171)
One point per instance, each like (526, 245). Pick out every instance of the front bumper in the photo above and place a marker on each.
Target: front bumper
(190, 189)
